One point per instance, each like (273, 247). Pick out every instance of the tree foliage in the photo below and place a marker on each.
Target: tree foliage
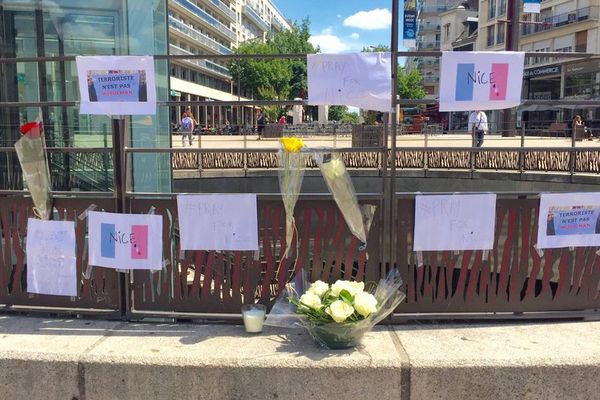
(282, 78)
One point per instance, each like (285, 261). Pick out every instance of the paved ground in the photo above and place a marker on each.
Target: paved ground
(452, 140)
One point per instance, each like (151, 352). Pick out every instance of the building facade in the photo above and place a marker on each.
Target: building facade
(69, 28)
(561, 26)
(214, 27)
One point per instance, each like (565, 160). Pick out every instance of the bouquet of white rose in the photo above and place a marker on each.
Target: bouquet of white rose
(338, 315)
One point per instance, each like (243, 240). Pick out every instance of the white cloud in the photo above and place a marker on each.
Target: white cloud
(354, 35)
(378, 18)
(329, 43)
(327, 31)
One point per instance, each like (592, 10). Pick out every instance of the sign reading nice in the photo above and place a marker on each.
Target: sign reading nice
(125, 241)
(481, 80)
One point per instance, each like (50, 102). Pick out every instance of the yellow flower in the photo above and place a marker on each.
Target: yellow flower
(291, 144)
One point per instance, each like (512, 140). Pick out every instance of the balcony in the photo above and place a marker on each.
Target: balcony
(205, 65)
(207, 18)
(431, 80)
(275, 23)
(430, 28)
(422, 62)
(255, 18)
(428, 45)
(431, 8)
(197, 36)
(223, 9)
(556, 21)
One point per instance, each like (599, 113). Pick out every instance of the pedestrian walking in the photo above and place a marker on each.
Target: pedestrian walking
(187, 125)
(478, 126)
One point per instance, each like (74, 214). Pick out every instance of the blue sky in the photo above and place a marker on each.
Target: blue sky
(342, 26)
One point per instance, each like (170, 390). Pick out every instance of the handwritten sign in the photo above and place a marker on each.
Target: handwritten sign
(481, 80)
(125, 241)
(51, 259)
(361, 80)
(116, 85)
(454, 222)
(569, 220)
(218, 222)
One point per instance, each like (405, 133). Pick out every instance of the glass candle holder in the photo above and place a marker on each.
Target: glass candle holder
(254, 317)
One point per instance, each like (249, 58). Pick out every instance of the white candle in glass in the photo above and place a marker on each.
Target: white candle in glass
(254, 318)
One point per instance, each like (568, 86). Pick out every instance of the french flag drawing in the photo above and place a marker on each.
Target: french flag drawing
(125, 241)
(481, 80)
(137, 240)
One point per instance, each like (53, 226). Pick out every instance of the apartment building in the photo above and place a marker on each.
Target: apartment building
(561, 26)
(214, 27)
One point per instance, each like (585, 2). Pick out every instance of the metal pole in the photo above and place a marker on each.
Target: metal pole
(119, 165)
(389, 225)
(512, 44)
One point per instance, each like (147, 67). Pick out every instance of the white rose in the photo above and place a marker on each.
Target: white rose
(365, 304)
(311, 300)
(340, 285)
(319, 288)
(358, 287)
(352, 287)
(339, 311)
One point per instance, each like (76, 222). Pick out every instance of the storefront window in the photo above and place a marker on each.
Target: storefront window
(72, 27)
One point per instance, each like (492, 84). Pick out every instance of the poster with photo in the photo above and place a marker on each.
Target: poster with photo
(569, 220)
(116, 85)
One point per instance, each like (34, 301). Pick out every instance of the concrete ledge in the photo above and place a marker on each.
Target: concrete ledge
(103, 360)
(515, 361)
(83, 360)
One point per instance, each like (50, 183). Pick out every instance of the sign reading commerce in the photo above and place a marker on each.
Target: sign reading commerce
(542, 71)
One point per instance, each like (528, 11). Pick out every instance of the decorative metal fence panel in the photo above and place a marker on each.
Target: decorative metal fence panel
(99, 291)
(220, 282)
(512, 278)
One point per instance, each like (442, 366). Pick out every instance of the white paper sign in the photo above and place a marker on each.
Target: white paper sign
(361, 80)
(481, 80)
(125, 241)
(51, 259)
(531, 6)
(116, 85)
(569, 220)
(455, 222)
(218, 222)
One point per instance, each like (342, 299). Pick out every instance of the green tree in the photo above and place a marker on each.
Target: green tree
(281, 78)
(351, 118)
(337, 113)
(410, 84)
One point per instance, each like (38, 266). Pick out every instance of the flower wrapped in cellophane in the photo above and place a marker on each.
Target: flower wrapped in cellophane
(32, 157)
(290, 181)
(338, 315)
(340, 185)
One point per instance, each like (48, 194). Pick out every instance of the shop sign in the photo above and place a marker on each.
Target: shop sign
(542, 71)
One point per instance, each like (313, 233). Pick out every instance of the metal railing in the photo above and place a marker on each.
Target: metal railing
(223, 8)
(212, 21)
(556, 21)
(197, 36)
(255, 17)
(514, 277)
(205, 65)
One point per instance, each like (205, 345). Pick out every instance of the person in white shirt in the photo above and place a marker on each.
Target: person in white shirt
(478, 126)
